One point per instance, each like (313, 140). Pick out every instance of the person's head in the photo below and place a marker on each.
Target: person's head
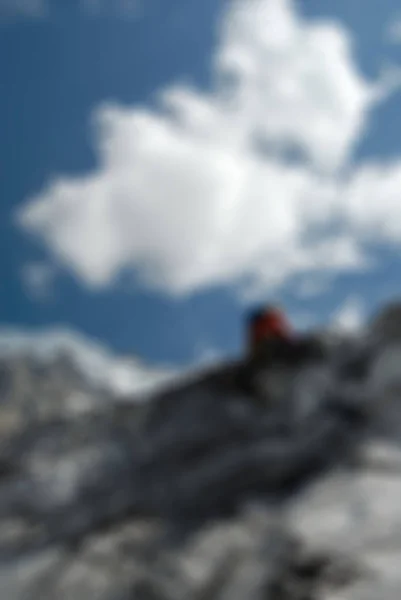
(261, 311)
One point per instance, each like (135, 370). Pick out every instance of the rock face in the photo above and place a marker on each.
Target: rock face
(206, 494)
(387, 324)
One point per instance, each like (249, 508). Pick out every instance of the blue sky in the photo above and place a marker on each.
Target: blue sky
(97, 196)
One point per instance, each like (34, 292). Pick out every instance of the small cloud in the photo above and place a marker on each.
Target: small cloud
(393, 31)
(207, 355)
(38, 278)
(350, 316)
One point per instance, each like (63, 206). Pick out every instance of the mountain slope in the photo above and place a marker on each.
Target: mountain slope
(203, 493)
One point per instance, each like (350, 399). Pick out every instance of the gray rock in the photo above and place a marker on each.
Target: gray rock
(209, 495)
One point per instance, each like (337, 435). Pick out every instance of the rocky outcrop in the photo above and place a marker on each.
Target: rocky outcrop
(386, 324)
(203, 493)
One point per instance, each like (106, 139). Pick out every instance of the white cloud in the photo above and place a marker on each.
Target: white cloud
(207, 355)
(294, 82)
(393, 31)
(199, 192)
(371, 202)
(38, 278)
(121, 375)
(350, 316)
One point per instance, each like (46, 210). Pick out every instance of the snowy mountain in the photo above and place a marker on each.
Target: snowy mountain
(58, 373)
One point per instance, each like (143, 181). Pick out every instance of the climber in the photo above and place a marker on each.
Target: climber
(272, 343)
(270, 337)
(268, 324)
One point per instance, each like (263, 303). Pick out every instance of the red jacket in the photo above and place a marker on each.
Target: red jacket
(271, 324)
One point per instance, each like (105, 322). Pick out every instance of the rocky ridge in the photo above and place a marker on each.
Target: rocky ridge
(201, 493)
